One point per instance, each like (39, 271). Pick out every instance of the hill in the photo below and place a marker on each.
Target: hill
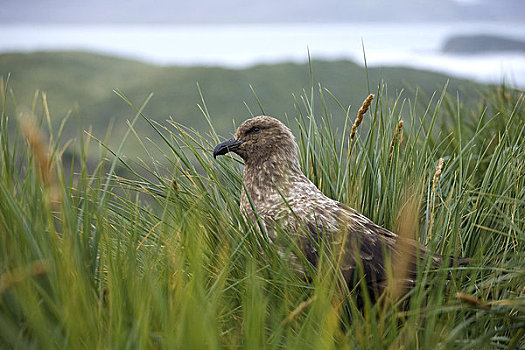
(84, 83)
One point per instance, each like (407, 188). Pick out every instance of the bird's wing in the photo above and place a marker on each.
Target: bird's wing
(365, 251)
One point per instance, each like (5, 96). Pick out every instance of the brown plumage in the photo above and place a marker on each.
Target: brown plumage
(283, 197)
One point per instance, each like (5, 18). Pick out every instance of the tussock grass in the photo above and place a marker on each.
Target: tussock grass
(154, 253)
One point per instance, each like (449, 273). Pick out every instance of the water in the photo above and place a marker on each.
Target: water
(237, 46)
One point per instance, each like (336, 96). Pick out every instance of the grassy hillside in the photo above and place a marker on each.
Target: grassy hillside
(83, 82)
(168, 261)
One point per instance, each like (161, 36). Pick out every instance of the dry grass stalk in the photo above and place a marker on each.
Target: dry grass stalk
(400, 263)
(19, 275)
(148, 234)
(361, 113)
(297, 311)
(394, 140)
(39, 148)
(472, 301)
(437, 174)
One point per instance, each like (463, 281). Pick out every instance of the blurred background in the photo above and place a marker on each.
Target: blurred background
(78, 52)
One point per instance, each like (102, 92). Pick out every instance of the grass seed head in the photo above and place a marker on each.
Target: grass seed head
(40, 150)
(472, 301)
(361, 113)
(437, 174)
(397, 135)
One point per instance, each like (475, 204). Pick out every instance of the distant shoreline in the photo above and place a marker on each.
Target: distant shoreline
(482, 44)
(238, 46)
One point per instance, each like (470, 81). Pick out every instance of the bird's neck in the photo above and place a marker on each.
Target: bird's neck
(273, 175)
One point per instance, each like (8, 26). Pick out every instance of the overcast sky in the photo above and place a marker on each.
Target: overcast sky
(249, 11)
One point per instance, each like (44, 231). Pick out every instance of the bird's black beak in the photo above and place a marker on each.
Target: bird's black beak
(225, 147)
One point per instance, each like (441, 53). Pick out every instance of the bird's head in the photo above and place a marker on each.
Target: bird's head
(259, 139)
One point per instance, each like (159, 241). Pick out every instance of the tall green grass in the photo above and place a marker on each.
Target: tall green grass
(154, 253)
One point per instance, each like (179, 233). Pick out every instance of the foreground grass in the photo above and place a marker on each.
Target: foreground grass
(161, 257)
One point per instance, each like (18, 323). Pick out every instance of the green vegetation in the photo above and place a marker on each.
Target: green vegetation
(83, 83)
(162, 258)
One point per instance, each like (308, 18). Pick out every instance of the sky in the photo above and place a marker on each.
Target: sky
(250, 11)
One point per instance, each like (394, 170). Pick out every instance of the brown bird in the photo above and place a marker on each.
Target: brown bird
(285, 199)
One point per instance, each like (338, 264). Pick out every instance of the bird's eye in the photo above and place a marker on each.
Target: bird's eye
(255, 129)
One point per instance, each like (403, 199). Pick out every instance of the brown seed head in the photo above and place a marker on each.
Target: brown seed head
(361, 113)
(40, 150)
(472, 301)
(437, 174)
(394, 139)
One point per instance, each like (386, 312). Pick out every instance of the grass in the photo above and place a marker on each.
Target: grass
(157, 254)
(80, 84)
